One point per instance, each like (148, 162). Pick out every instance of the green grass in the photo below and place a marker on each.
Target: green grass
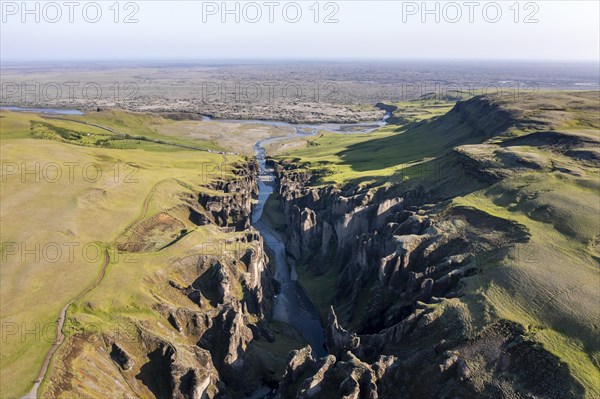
(127, 298)
(78, 210)
(549, 284)
(419, 110)
(274, 213)
(319, 288)
(233, 137)
(120, 137)
(48, 131)
(392, 153)
(272, 356)
(551, 281)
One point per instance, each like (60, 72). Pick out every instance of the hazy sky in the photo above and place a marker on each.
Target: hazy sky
(194, 30)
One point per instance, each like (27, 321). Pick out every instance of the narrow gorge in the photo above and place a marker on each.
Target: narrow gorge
(402, 272)
(394, 267)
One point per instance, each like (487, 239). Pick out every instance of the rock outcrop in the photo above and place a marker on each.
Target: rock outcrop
(400, 257)
(231, 205)
(209, 308)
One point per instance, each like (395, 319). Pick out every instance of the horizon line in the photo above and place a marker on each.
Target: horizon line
(4, 61)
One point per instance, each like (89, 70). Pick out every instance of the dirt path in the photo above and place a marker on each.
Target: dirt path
(147, 201)
(60, 336)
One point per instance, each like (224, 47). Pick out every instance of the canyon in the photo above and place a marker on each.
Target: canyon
(364, 288)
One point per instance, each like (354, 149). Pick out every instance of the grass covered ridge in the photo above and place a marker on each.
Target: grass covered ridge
(535, 162)
(78, 209)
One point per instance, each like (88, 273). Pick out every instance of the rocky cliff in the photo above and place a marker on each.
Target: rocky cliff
(204, 311)
(401, 322)
(394, 321)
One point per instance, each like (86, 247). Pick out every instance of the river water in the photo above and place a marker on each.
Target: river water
(53, 111)
(292, 304)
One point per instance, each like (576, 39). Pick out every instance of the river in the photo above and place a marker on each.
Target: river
(53, 111)
(292, 304)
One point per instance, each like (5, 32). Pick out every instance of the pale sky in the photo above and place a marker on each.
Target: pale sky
(373, 29)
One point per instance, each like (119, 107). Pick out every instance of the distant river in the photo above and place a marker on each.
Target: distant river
(304, 129)
(53, 111)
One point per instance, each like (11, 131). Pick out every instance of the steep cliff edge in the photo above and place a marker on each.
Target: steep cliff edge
(193, 318)
(445, 280)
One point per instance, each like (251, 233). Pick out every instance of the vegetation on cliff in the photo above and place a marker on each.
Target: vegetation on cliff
(474, 233)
